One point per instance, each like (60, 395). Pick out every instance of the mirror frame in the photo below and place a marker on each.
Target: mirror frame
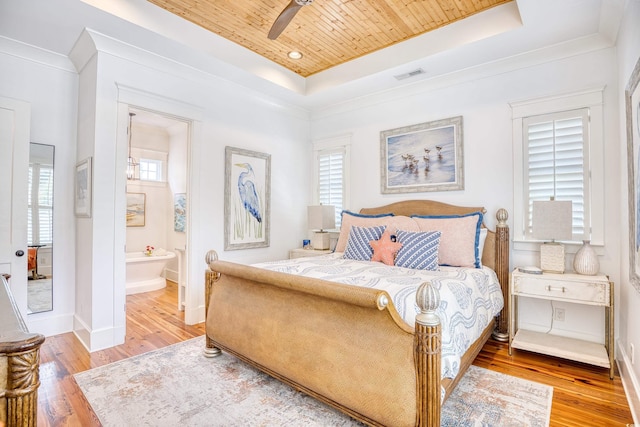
(35, 275)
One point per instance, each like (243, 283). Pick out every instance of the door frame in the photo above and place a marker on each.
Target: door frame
(19, 175)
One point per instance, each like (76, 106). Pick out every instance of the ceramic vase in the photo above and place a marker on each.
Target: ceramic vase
(586, 260)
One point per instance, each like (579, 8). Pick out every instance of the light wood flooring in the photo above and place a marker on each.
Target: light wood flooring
(582, 396)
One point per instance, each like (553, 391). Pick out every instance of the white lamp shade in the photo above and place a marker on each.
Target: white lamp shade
(552, 220)
(321, 217)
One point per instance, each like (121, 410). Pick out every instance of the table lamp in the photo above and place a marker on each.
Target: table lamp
(552, 220)
(321, 217)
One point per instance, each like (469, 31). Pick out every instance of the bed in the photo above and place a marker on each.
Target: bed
(347, 345)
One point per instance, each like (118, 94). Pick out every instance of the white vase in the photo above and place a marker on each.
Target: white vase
(586, 260)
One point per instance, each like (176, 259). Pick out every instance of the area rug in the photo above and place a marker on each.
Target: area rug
(178, 386)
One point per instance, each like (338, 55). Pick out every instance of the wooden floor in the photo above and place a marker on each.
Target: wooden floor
(582, 396)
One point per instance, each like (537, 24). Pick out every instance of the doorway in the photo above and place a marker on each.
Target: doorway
(157, 202)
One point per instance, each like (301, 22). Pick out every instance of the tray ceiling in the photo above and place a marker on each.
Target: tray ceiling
(326, 32)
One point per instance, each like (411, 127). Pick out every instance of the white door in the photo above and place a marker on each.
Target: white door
(14, 174)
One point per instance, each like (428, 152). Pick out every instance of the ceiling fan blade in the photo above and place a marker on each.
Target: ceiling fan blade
(283, 19)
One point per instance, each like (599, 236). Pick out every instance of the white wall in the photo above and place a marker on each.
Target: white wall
(145, 138)
(629, 302)
(177, 179)
(227, 115)
(482, 96)
(49, 83)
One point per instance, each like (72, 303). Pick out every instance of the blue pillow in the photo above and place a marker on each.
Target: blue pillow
(419, 249)
(358, 246)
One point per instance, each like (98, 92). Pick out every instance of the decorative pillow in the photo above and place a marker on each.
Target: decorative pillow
(399, 222)
(419, 249)
(460, 238)
(350, 219)
(385, 249)
(358, 247)
(481, 240)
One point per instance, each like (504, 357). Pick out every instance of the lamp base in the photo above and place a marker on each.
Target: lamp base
(552, 257)
(320, 240)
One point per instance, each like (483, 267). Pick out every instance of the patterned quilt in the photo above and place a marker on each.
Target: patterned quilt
(470, 297)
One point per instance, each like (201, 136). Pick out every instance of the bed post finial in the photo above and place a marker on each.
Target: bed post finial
(427, 356)
(210, 277)
(501, 333)
(502, 216)
(428, 300)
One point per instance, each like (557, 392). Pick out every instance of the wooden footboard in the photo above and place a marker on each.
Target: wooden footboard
(344, 345)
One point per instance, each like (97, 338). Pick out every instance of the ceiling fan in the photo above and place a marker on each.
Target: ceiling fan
(286, 16)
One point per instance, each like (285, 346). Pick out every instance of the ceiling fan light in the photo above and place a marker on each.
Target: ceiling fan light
(294, 54)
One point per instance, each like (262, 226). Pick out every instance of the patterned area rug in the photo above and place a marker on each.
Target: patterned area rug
(177, 385)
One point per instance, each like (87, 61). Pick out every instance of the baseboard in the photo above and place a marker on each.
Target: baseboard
(629, 382)
(171, 275)
(99, 339)
(50, 325)
(193, 317)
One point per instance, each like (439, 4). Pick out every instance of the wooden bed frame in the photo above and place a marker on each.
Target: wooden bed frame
(344, 345)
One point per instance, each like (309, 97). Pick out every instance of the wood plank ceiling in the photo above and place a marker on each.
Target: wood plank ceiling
(326, 32)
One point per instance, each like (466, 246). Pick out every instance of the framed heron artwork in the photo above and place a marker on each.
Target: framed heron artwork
(632, 107)
(422, 157)
(246, 199)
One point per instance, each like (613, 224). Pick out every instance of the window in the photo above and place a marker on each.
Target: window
(556, 141)
(150, 170)
(331, 173)
(152, 164)
(557, 165)
(40, 205)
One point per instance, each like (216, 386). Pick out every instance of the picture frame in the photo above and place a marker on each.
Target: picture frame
(179, 212)
(423, 157)
(632, 107)
(83, 198)
(136, 209)
(247, 199)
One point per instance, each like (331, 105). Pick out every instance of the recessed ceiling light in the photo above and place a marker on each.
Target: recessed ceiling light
(294, 54)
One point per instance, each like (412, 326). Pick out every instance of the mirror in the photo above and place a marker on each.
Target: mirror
(40, 229)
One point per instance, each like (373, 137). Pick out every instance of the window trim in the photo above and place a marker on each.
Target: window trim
(333, 143)
(593, 99)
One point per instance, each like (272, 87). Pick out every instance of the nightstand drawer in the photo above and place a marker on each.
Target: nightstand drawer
(586, 292)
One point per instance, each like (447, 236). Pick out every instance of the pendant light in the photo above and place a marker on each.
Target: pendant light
(131, 162)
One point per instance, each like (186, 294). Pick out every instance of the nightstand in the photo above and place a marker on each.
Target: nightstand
(573, 288)
(300, 253)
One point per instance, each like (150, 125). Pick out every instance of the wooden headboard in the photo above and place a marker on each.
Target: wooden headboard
(496, 248)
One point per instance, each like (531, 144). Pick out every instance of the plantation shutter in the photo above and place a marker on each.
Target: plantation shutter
(556, 163)
(331, 180)
(40, 208)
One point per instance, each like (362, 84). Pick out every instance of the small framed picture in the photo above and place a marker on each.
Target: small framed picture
(136, 209)
(179, 212)
(83, 188)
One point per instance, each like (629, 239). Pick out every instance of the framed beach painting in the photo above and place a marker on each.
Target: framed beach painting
(179, 212)
(246, 199)
(136, 209)
(83, 189)
(632, 104)
(422, 157)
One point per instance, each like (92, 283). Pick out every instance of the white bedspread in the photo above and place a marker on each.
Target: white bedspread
(470, 297)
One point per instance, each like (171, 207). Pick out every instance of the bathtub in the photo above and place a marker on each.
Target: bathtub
(144, 273)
